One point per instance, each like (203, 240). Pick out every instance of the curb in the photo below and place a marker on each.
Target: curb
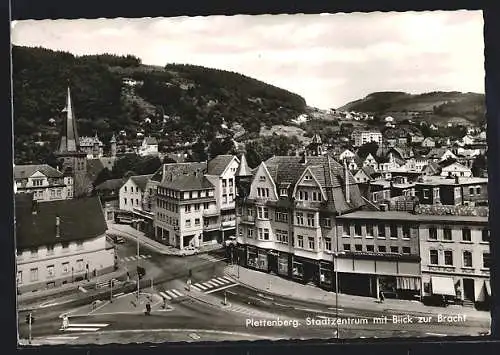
(396, 311)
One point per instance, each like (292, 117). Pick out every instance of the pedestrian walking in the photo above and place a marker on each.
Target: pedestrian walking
(148, 309)
(164, 303)
(382, 296)
(65, 321)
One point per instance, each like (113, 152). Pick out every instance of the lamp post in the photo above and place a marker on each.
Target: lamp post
(138, 280)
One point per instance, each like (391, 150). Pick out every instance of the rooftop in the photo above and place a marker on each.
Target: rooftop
(141, 180)
(218, 165)
(440, 180)
(410, 217)
(26, 171)
(79, 219)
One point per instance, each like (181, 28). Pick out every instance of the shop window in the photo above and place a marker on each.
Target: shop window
(297, 269)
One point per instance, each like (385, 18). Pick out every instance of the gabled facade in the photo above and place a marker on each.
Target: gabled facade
(346, 154)
(149, 147)
(132, 193)
(370, 161)
(456, 169)
(43, 181)
(428, 142)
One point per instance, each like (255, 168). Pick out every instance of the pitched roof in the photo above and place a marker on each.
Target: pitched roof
(243, 168)
(170, 171)
(150, 140)
(217, 165)
(79, 219)
(25, 171)
(433, 168)
(111, 184)
(329, 173)
(141, 180)
(189, 183)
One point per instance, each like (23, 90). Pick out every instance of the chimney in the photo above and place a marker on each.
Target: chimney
(347, 194)
(34, 207)
(58, 229)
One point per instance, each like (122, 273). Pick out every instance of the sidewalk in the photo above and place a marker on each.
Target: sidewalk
(85, 284)
(261, 281)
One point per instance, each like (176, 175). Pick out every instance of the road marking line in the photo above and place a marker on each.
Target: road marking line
(102, 305)
(73, 329)
(207, 285)
(217, 282)
(228, 279)
(171, 294)
(211, 283)
(281, 304)
(201, 286)
(126, 258)
(91, 325)
(335, 309)
(177, 293)
(143, 256)
(119, 294)
(196, 288)
(61, 337)
(221, 288)
(233, 293)
(224, 281)
(163, 294)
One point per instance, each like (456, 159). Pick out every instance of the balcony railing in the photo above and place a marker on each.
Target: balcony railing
(210, 212)
(247, 219)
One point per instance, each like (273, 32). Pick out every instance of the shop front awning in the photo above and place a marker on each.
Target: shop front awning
(487, 285)
(443, 286)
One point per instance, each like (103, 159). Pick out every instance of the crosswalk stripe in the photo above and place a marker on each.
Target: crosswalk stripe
(88, 325)
(171, 294)
(143, 256)
(217, 282)
(207, 285)
(163, 294)
(177, 293)
(126, 258)
(201, 286)
(76, 329)
(211, 284)
(227, 278)
(196, 288)
(224, 281)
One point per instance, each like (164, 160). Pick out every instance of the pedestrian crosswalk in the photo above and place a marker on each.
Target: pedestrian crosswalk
(212, 285)
(215, 284)
(83, 327)
(211, 258)
(134, 257)
(246, 311)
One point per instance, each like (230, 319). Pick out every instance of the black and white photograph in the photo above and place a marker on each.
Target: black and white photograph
(251, 177)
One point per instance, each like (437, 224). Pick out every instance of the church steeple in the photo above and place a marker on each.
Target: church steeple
(69, 135)
(243, 168)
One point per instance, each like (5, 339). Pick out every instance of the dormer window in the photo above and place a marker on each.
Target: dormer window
(283, 192)
(262, 178)
(307, 177)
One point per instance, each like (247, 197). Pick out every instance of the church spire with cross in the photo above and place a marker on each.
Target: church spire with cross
(69, 136)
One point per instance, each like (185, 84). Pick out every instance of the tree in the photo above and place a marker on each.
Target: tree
(479, 165)
(368, 148)
(103, 175)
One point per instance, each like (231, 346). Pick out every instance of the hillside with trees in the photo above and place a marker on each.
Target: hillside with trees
(176, 103)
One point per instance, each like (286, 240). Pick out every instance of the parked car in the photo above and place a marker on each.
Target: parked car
(230, 241)
(189, 250)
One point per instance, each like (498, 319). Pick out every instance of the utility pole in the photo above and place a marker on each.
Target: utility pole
(111, 291)
(29, 326)
(138, 280)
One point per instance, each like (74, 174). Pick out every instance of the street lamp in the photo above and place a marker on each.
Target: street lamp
(336, 254)
(138, 281)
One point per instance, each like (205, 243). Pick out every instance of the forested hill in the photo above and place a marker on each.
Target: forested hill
(184, 102)
(442, 105)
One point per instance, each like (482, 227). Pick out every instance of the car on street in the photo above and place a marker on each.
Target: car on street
(189, 250)
(116, 239)
(230, 241)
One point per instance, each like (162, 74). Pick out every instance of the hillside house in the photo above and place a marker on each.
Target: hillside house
(451, 168)
(428, 142)
(440, 154)
(149, 147)
(346, 154)
(43, 181)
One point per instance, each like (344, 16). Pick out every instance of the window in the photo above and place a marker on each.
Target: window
(346, 228)
(52, 193)
(283, 192)
(485, 235)
(394, 249)
(282, 236)
(369, 230)
(448, 257)
(197, 207)
(433, 256)
(433, 234)
(137, 202)
(307, 177)
(486, 260)
(187, 208)
(310, 219)
(467, 259)
(50, 250)
(328, 244)
(79, 265)
(65, 268)
(266, 234)
(381, 231)
(357, 229)
(328, 223)
(300, 241)
(188, 223)
(311, 242)
(37, 182)
(50, 271)
(125, 187)
(131, 189)
(347, 247)
(446, 234)
(406, 250)
(262, 178)
(250, 233)
(34, 274)
(478, 190)
(19, 277)
(406, 232)
(426, 193)
(358, 247)
(281, 217)
(300, 218)
(466, 236)
(471, 191)
(196, 221)
(125, 201)
(394, 231)
(382, 249)
(370, 248)
(436, 193)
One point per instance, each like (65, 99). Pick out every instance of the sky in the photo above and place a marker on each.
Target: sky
(329, 59)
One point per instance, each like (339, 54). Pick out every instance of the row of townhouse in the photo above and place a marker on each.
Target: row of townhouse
(42, 181)
(304, 218)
